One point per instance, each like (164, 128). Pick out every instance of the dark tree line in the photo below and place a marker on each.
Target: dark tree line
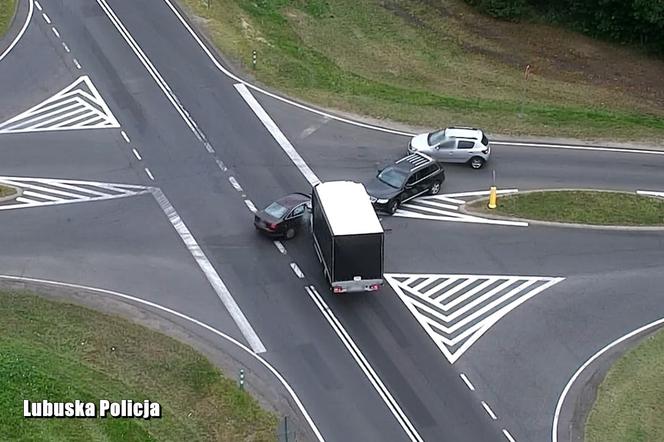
(638, 22)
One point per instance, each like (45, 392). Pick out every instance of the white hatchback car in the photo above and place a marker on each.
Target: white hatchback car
(454, 145)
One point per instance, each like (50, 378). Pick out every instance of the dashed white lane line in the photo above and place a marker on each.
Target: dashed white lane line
(64, 45)
(489, 411)
(38, 6)
(467, 382)
(296, 270)
(45, 17)
(210, 272)
(55, 31)
(137, 155)
(508, 435)
(235, 184)
(250, 205)
(221, 165)
(280, 247)
(124, 135)
(78, 65)
(149, 173)
(279, 137)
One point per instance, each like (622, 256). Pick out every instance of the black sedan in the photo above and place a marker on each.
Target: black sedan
(285, 216)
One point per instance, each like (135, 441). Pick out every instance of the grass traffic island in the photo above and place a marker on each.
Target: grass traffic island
(6, 191)
(440, 63)
(578, 207)
(7, 9)
(629, 405)
(61, 353)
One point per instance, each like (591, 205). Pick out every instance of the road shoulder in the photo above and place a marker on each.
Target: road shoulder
(229, 358)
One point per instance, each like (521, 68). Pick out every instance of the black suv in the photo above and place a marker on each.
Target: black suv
(407, 178)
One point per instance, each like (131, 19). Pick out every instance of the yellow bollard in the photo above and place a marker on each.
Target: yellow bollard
(493, 196)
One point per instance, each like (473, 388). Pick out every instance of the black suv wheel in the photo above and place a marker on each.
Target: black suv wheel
(392, 206)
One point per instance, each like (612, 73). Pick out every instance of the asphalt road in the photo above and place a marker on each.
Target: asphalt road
(517, 367)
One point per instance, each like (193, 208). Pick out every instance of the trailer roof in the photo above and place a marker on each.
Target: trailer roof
(348, 208)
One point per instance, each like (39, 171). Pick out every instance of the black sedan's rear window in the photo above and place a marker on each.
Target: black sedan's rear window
(276, 210)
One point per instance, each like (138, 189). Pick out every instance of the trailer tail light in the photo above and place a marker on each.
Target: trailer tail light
(338, 289)
(374, 287)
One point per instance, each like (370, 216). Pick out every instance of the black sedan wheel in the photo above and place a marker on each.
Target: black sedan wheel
(290, 233)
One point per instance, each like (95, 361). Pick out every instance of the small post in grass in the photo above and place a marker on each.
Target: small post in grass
(525, 85)
(253, 58)
(241, 379)
(493, 193)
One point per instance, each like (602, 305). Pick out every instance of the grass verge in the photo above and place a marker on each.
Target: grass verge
(61, 352)
(583, 207)
(438, 63)
(6, 191)
(629, 405)
(7, 9)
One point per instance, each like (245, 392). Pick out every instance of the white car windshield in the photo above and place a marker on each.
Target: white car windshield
(276, 210)
(436, 137)
(392, 177)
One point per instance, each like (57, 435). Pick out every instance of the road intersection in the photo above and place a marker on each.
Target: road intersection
(149, 114)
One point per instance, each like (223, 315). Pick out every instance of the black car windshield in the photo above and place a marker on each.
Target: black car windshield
(436, 137)
(276, 210)
(392, 177)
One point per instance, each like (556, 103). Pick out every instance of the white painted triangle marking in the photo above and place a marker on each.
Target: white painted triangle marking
(81, 93)
(479, 308)
(78, 191)
(440, 208)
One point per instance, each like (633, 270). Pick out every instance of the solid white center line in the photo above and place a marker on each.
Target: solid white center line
(364, 365)
(137, 155)
(297, 270)
(250, 205)
(38, 6)
(46, 19)
(124, 135)
(489, 411)
(276, 133)
(467, 381)
(235, 184)
(78, 65)
(55, 31)
(64, 45)
(280, 247)
(149, 173)
(508, 435)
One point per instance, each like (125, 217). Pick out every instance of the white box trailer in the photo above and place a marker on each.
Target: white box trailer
(348, 237)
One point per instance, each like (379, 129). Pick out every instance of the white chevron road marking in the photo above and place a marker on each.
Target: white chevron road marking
(456, 310)
(49, 191)
(445, 207)
(78, 106)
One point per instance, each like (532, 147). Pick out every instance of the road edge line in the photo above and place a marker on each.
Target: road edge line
(201, 324)
(582, 368)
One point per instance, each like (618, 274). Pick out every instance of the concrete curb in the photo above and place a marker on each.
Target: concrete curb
(463, 209)
(259, 381)
(583, 391)
(17, 192)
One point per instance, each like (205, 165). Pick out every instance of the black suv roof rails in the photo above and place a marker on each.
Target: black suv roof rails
(416, 159)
